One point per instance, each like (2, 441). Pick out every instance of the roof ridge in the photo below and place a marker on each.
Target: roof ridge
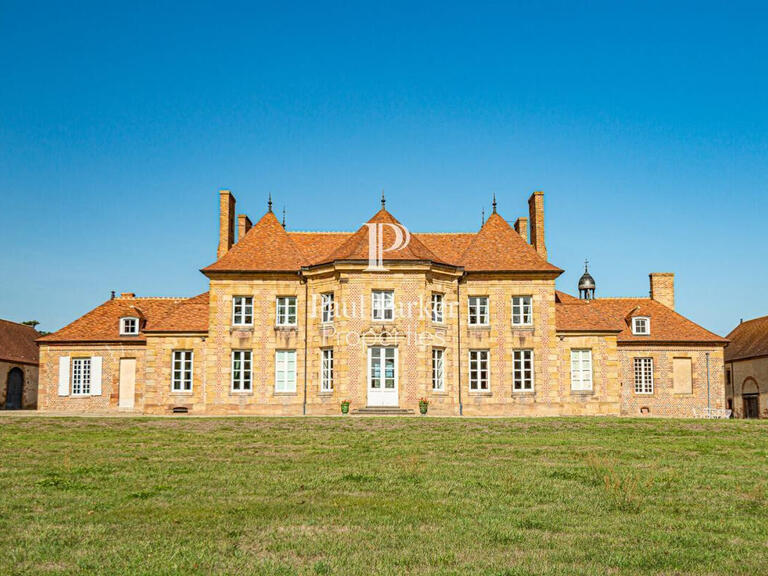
(445, 233)
(17, 323)
(752, 320)
(319, 232)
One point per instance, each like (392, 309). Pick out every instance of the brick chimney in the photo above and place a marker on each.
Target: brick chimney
(521, 227)
(127, 295)
(536, 213)
(226, 222)
(243, 225)
(663, 288)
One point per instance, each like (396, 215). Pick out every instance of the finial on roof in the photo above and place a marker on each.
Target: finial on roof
(587, 284)
(586, 265)
(482, 220)
(112, 297)
(383, 200)
(269, 203)
(283, 217)
(494, 202)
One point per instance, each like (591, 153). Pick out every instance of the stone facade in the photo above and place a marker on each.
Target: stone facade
(30, 378)
(750, 377)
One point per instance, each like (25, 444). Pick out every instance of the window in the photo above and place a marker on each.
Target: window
(478, 310)
(438, 379)
(581, 369)
(437, 308)
(478, 370)
(286, 311)
(181, 377)
(641, 326)
(241, 370)
(285, 371)
(383, 304)
(522, 311)
(326, 370)
(129, 326)
(522, 370)
(81, 376)
(242, 311)
(327, 307)
(643, 375)
(682, 375)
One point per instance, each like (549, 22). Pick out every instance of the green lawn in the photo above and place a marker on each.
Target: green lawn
(382, 496)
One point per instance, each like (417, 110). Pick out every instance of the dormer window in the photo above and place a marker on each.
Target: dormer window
(641, 326)
(129, 326)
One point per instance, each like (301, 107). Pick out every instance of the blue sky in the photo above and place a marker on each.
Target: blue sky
(646, 125)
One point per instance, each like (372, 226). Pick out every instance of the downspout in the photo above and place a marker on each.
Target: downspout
(306, 360)
(458, 303)
(709, 413)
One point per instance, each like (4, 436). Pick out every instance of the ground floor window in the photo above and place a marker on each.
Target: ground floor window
(241, 370)
(479, 379)
(581, 370)
(285, 371)
(438, 379)
(81, 376)
(643, 375)
(522, 370)
(181, 378)
(326, 376)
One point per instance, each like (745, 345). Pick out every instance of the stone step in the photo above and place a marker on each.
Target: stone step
(382, 411)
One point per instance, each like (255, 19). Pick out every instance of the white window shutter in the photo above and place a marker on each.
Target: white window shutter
(95, 375)
(63, 375)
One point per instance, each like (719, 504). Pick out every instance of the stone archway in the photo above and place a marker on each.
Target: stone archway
(750, 393)
(14, 390)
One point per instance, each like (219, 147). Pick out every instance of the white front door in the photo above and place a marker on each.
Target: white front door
(127, 383)
(382, 376)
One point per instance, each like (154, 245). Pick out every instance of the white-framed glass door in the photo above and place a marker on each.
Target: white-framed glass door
(382, 376)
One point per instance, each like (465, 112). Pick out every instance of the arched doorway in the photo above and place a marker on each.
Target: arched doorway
(751, 395)
(14, 390)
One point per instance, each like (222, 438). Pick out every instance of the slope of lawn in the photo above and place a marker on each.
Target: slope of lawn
(382, 496)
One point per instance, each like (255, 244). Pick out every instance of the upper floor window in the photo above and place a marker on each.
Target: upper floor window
(438, 372)
(242, 310)
(129, 326)
(581, 369)
(327, 307)
(643, 375)
(437, 308)
(522, 370)
(479, 378)
(522, 311)
(241, 370)
(81, 376)
(478, 310)
(326, 370)
(286, 311)
(181, 371)
(641, 325)
(383, 304)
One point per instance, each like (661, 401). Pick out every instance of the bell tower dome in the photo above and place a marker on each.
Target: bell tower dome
(586, 284)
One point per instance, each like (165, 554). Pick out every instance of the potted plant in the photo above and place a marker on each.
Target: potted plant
(345, 406)
(423, 405)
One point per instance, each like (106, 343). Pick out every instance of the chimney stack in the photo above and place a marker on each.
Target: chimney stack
(521, 227)
(663, 288)
(226, 222)
(536, 213)
(243, 225)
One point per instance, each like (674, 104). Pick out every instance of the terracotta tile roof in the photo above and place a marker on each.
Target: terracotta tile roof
(102, 324)
(748, 340)
(17, 343)
(616, 313)
(189, 315)
(268, 247)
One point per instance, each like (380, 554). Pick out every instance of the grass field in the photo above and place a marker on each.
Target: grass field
(382, 496)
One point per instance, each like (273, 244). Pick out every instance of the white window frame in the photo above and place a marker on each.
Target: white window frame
(475, 381)
(436, 308)
(438, 369)
(635, 326)
(185, 360)
(523, 378)
(242, 310)
(326, 307)
(581, 369)
(481, 307)
(81, 377)
(283, 306)
(522, 311)
(124, 331)
(326, 370)
(643, 367)
(287, 383)
(242, 371)
(383, 305)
